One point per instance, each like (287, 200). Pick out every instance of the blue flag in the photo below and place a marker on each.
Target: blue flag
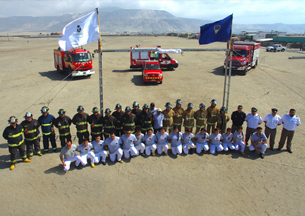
(216, 31)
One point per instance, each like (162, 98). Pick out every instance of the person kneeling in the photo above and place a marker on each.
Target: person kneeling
(139, 144)
(113, 144)
(175, 139)
(227, 140)
(150, 143)
(162, 141)
(187, 137)
(127, 141)
(67, 155)
(215, 142)
(202, 138)
(258, 142)
(85, 152)
(239, 140)
(98, 146)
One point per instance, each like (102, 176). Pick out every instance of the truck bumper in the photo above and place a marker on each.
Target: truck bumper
(235, 67)
(153, 79)
(83, 73)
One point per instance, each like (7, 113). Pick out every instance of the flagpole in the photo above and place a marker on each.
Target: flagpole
(230, 69)
(100, 65)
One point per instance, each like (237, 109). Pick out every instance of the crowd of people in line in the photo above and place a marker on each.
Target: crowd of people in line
(146, 131)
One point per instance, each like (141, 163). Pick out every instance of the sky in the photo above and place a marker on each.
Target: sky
(244, 11)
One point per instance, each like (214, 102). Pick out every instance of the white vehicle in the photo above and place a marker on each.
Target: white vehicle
(276, 48)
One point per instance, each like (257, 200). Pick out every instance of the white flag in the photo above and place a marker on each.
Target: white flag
(80, 32)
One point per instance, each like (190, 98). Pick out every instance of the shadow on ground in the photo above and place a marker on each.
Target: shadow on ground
(55, 76)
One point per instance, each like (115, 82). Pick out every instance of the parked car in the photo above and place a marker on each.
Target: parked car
(151, 71)
(276, 48)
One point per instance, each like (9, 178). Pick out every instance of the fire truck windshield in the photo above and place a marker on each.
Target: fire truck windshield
(81, 57)
(240, 52)
(152, 67)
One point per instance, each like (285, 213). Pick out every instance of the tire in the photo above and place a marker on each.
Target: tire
(89, 76)
(245, 72)
(161, 82)
(171, 67)
(58, 70)
(282, 50)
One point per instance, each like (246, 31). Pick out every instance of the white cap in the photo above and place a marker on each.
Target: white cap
(159, 110)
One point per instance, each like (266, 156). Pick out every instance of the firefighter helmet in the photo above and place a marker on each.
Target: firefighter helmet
(168, 105)
(12, 120)
(201, 105)
(145, 106)
(107, 111)
(178, 101)
(28, 115)
(95, 110)
(213, 101)
(135, 104)
(223, 109)
(127, 109)
(61, 112)
(118, 106)
(190, 105)
(44, 109)
(80, 108)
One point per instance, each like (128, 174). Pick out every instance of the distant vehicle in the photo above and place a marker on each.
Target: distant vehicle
(276, 47)
(138, 58)
(78, 62)
(151, 72)
(245, 56)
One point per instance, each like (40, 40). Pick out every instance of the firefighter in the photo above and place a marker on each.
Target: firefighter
(129, 120)
(63, 122)
(222, 119)
(168, 118)
(212, 113)
(31, 134)
(13, 135)
(47, 127)
(136, 111)
(108, 122)
(178, 114)
(146, 118)
(201, 117)
(80, 120)
(188, 116)
(118, 115)
(95, 120)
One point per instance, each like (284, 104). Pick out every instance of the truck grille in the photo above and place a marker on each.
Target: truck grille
(235, 62)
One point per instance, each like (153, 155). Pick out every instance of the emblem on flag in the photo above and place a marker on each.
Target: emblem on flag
(217, 28)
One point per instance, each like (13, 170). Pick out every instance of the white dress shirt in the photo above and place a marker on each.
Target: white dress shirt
(272, 121)
(290, 123)
(253, 121)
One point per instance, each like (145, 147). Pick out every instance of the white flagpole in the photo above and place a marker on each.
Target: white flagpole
(100, 65)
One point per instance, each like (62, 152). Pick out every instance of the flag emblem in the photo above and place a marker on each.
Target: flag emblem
(217, 28)
(79, 29)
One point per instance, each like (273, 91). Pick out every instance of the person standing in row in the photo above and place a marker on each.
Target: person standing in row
(168, 118)
(31, 134)
(253, 121)
(290, 122)
(258, 142)
(129, 120)
(158, 121)
(146, 118)
(13, 135)
(201, 118)
(67, 155)
(153, 109)
(212, 113)
(188, 117)
(63, 122)
(238, 118)
(178, 110)
(136, 111)
(48, 133)
(118, 115)
(95, 121)
(108, 122)
(80, 120)
(222, 119)
(272, 121)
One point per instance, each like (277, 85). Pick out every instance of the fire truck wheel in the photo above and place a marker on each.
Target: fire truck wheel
(58, 70)
(245, 71)
(170, 67)
(161, 82)
(89, 76)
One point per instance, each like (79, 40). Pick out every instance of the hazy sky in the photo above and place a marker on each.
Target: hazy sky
(244, 11)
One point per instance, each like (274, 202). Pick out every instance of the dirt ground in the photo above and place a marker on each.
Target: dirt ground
(227, 183)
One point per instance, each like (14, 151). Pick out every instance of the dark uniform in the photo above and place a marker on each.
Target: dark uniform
(118, 123)
(80, 120)
(238, 119)
(146, 121)
(108, 124)
(222, 120)
(129, 122)
(31, 136)
(48, 132)
(96, 125)
(15, 142)
(137, 113)
(63, 125)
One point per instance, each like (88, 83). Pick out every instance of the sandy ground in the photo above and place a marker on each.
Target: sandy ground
(228, 183)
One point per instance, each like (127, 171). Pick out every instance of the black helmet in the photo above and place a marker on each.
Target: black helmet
(80, 108)
(145, 106)
(95, 110)
(168, 105)
(127, 109)
(118, 106)
(201, 105)
(44, 109)
(178, 101)
(12, 120)
(223, 109)
(190, 105)
(107, 111)
(28, 114)
(135, 104)
(61, 112)
(213, 101)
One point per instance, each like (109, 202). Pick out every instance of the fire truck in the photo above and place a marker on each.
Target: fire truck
(245, 56)
(77, 62)
(151, 72)
(137, 59)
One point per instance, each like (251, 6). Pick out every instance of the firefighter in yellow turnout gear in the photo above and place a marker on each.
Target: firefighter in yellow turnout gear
(168, 118)
(189, 116)
(212, 113)
(222, 119)
(201, 117)
(178, 114)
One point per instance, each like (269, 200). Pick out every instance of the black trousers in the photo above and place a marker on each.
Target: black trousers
(29, 147)
(272, 133)
(46, 139)
(249, 133)
(82, 136)
(64, 139)
(118, 132)
(14, 151)
(286, 134)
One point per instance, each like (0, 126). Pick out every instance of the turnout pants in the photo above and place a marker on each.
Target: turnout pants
(272, 133)
(29, 147)
(199, 147)
(178, 125)
(249, 133)
(64, 139)
(118, 132)
(82, 136)
(211, 126)
(14, 151)
(46, 139)
(286, 134)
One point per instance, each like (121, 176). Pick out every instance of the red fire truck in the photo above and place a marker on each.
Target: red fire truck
(138, 58)
(245, 56)
(151, 72)
(78, 62)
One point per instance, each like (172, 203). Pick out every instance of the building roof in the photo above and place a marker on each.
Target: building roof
(293, 39)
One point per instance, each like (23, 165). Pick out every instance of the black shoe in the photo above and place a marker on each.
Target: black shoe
(261, 155)
(54, 150)
(104, 163)
(278, 149)
(44, 152)
(191, 151)
(289, 150)
(271, 149)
